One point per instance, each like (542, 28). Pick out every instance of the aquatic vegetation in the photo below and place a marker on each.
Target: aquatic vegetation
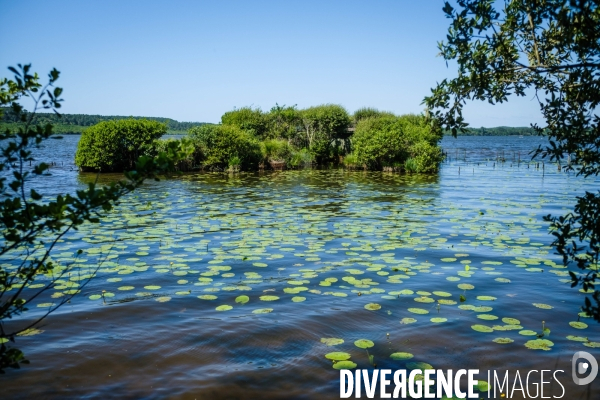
(401, 356)
(332, 341)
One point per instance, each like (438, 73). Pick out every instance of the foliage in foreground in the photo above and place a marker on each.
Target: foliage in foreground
(31, 224)
(550, 48)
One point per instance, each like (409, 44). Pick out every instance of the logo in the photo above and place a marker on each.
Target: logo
(580, 368)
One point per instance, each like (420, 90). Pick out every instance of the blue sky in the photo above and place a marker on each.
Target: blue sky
(194, 60)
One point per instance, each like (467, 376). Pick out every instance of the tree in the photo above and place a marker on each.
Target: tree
(30, 224)
(325, 126)
(283, 122)
(550, 48)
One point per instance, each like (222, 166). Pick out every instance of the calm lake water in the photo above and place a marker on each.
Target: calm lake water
(320, 254)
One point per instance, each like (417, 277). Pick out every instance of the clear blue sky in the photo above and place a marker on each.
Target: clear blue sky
(194, 60)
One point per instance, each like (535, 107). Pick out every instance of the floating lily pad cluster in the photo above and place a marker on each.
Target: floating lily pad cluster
(391, 251)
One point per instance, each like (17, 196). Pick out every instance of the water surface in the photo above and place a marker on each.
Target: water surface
(175, 251)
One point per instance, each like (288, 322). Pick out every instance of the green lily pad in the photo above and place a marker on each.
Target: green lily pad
(347, 364)
(207, 297)
(424, 299)
(298, 299)
(543, 306)
(418, 311)
(577, 338)
(578, 325)
(539, 344)
(438, 320)
(408, 320)
(262, 311)
(338, 356)
(486, 298)
(511, 321)
(482, 328)
(527, 332)
(447, 302)
(224, 307)
(401, 356)
(418, 365)
(487, 317)
(465, 286)
(364, 344)
(372, 306)
(501, 340)
(332, 341)
(269, 298)
(481, 386)
(243, 299)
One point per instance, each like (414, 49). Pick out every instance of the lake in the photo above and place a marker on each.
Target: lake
(227, 286)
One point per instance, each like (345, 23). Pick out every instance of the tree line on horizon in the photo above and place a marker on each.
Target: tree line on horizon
(74, 124)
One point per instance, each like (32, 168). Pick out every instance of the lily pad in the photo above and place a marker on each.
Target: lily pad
(418, 311)
(419, 365)
(269, 298)
(331, 341)
(482, 328)
(578, 325)
(372, 306)
(262, 311)
(224, 307)
(338, 356)
(501, 340)
(539, 344)
(364, 344)
(527, 332)
(243, 299)
(438, 320)
(401, 356)
(347, 364)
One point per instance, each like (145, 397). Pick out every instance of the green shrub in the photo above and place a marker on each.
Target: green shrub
(324, 127)
(283, 122)
(368, 112)
(191, 155)
(302, 158)
(426, 157)
(276, 150)
(221, 143)
(389, 141)
(378, 141)
(114, 146)
(252, 121)
(410, 165)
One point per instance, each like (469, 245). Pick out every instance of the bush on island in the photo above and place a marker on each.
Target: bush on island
(114, 146)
